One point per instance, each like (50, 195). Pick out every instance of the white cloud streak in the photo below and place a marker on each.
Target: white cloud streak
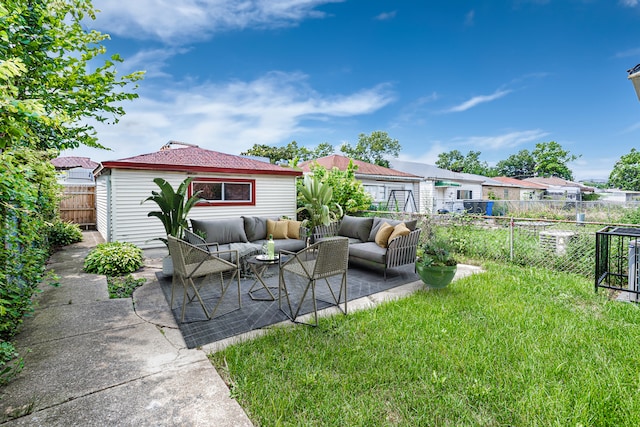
(477, 100)
(185, 21)
(385, 16)
(507, 140)
(630, 3)
(231, 117)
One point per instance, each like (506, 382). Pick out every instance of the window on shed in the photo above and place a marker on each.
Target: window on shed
(215, 191)
(463, 194)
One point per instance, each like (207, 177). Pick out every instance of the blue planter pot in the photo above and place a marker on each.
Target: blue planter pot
(436, 277)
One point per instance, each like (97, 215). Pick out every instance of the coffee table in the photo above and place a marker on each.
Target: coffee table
(259, 265)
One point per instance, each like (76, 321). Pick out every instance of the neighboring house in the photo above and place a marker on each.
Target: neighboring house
(74, 170)
(615, 195)
(233, 186)
(398, 189)
(561, 189)
(513, 189)
(442, 190)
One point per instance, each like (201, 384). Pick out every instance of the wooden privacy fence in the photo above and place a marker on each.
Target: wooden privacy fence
(78, 205)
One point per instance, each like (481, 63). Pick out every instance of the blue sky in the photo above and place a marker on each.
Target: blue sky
(495, 76)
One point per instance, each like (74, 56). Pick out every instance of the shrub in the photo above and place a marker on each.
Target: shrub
(10, 362)
(113, 259)
(631, 217)
(123, 286)
(64, 233)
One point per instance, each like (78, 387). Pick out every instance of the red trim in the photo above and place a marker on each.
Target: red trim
(206, 169)
(252, 202)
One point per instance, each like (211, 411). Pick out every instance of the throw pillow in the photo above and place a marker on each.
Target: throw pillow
(255, 227)
(278, 229)
(355, 227)
(377, 222)
(382, 237)
(293, 229)
(399, 230)
(222, 231)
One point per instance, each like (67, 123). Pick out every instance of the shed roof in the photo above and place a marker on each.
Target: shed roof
(73, 162)
(364, 168)
(196, 159)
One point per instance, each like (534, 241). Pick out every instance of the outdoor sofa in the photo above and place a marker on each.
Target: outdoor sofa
(374, 241)
(246, 234)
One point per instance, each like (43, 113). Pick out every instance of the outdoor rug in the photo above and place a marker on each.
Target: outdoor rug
(229, 321)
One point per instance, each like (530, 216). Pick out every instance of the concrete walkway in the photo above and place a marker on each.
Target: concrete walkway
(95, 361)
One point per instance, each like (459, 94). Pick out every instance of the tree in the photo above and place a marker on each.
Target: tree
(551, 160)
(452, 160)
(626, 172)
(322, 150)
(348, 192)
(520, 165)
(50, 95)
(372, 148)
(290, 152)
(455, 161)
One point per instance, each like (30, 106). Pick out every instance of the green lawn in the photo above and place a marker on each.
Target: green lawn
(512, 346)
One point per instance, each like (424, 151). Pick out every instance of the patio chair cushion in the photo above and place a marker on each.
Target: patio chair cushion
(355, 227)
(222, 231)
(377, 222)
(382, 236)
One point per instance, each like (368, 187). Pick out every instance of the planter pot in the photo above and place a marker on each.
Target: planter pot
(436, 277)
(167, 266)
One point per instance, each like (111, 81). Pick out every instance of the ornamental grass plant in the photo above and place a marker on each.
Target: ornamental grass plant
(511, 346)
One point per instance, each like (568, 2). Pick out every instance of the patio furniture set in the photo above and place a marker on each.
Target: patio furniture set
(231, 247)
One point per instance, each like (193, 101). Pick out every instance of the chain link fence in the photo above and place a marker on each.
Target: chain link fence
(561, 245)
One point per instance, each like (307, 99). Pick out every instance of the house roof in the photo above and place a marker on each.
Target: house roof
(554, 181)
(519, 182)
(196, 159)
(74, 162)
(364, 168)
(434, 173)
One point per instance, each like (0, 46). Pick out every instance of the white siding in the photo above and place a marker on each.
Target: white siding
(427, 197)
(102, 209)
(275, 195)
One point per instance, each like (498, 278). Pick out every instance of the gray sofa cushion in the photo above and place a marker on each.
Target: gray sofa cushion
(355, 227)
(255, 227)
(377, 222)
(228, 230)
(293, 245)
(369, 251)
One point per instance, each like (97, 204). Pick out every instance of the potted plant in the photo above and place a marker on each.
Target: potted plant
(174, 208)
(435, 264)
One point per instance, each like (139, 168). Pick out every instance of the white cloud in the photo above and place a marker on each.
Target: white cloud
(476, 100)
(385, 16)
(630, 3)
(469, 18)
(507, 140)
(178, 21)
(231, 117)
